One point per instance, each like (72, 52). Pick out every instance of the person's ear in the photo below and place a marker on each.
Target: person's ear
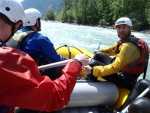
(131, 28)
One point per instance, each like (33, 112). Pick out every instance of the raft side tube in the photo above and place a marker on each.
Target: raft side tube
(70, 51)
(87, 93)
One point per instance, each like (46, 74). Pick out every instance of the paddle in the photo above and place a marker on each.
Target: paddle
(57, 64)
(141, 95)
(148, 50)
(97, 49)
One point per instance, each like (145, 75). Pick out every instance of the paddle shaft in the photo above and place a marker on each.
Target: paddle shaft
(97, 49)
(61, 63)
(141, 95)
(57, 64)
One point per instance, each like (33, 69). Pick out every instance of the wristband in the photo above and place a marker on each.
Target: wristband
(78, 61)
(91, 70)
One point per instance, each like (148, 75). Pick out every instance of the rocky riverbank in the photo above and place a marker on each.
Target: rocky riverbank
(147, 31)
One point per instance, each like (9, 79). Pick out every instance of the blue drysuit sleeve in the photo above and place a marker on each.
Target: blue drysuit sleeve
(49, 51)
(41, 45)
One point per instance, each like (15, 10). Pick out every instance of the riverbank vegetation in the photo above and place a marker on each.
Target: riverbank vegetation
(103, 12)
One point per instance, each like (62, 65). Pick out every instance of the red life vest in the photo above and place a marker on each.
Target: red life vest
(138, 66)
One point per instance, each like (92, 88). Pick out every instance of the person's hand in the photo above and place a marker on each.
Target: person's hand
(87, 69)
(96, 51)
(83, 58)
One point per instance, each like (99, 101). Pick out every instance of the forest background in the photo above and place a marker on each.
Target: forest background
(103, 12)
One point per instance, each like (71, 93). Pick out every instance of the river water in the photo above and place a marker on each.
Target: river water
(85, 36)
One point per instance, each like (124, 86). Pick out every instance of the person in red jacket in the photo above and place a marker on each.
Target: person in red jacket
(21, 82)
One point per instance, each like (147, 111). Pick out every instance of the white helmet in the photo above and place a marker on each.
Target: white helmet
(12, 9)
(123, 20)
(31, 15)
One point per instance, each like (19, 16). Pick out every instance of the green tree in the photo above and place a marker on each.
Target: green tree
(106, 12)
(92, 13)
(147, 10)
(79, 11)
(66, 13)
(50, 15)
(134, 9)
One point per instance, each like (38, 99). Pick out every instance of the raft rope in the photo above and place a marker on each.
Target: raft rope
(70, 51)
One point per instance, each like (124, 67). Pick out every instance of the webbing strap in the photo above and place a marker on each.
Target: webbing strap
(28, 39)
(146, 61)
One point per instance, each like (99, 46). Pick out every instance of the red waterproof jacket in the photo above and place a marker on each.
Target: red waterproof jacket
(23, 86)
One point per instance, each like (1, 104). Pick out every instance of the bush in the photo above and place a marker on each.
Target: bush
(49, 15)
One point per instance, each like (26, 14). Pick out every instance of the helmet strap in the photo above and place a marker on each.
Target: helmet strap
(38, 24)
(15, 27)
(12, 32)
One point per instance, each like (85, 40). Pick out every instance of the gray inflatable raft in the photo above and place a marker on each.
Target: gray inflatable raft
(88, 93)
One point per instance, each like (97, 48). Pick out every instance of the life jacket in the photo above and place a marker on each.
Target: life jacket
(138, 66)
(15, 42)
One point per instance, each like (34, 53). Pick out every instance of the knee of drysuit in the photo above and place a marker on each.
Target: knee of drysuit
(95, 63)
(105, 59)
(142, 84)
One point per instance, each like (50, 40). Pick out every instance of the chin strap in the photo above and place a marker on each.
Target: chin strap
(12, 31)
(38, 25)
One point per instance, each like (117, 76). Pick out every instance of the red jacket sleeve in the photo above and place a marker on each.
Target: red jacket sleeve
(23, 86)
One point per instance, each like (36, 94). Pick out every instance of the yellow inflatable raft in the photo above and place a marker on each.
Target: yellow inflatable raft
(70, 51)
